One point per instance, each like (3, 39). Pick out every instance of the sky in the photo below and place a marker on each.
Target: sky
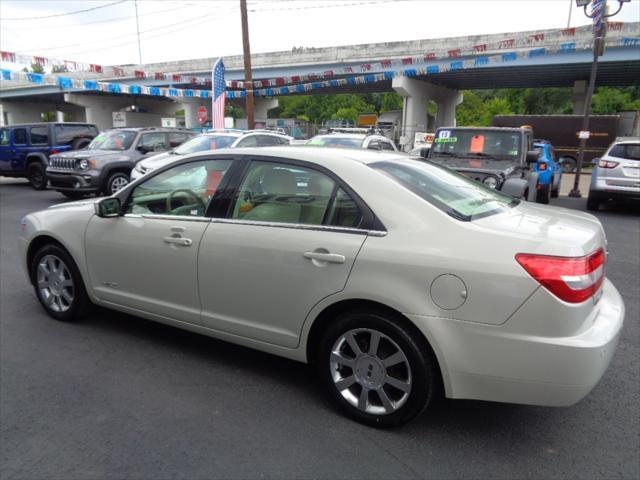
(186, 29)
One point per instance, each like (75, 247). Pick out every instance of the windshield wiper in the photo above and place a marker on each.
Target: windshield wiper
(458, 216)
(445, 153)
(480, 154)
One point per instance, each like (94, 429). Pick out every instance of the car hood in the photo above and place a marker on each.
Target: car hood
(75, 204)
(476, 164)
(553, 230)
(90, 153)
(160, 160)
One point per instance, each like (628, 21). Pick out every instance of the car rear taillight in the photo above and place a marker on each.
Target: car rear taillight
(572, 279)
(542, 167)
(54, 151)
(607, 164)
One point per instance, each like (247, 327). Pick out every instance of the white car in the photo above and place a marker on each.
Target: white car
(397, 279)
(353, 140)
(213, 140)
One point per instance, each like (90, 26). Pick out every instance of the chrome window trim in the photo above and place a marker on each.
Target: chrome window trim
(301, 226)
(156, 216)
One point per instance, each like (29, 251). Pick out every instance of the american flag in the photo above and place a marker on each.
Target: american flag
(218, 97)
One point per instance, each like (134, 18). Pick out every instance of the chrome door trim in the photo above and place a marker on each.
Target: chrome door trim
(300, 226)
(179, 218)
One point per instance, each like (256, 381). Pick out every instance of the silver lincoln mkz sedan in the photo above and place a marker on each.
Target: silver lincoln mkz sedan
(397, 279)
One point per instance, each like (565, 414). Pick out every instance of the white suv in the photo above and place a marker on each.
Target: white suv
(213, 140)
(617, 174)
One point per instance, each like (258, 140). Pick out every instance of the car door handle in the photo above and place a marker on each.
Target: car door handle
(185, 242)
(325, 257)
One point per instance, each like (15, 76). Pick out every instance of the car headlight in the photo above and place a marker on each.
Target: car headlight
(490, 182)
(83, 164)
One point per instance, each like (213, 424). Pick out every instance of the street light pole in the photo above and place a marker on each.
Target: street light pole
(246, 51)
(599, 14)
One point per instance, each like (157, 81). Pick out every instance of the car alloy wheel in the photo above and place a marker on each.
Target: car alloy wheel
(118, 183)
(55, 284)
(370, 371)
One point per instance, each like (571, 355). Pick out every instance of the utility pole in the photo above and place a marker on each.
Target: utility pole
(246, 51)
(135, 2)
(599, 15)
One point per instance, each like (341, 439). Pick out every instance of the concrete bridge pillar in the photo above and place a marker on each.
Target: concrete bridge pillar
(98, 109)
(191, 106)
(579, 96)
(262, 105)
(417, 94)
(447, 103)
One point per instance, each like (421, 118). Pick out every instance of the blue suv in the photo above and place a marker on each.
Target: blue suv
(25, 148)
(549, 171)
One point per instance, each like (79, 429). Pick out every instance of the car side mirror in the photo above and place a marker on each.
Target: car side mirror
(424, 152)
(109, 207)
(532, 156)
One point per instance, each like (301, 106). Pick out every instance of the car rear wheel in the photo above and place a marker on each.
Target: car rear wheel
(37, 176)
(115, 182)
(58, 284)
(375, 370)
(593, 202)
(543, 194)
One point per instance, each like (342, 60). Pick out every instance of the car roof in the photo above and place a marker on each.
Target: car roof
(327, 156)
(626, 140)
(499, 129)
(359, 136)
(151, 129)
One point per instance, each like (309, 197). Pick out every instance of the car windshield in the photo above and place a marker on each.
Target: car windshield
(202, 143)
(331, 141)
(451, 192)
(496, 144)
(113, 140)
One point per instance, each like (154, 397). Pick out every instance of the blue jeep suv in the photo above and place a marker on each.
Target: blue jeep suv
(25, 148)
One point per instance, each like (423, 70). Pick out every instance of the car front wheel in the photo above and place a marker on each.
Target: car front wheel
(375, 370)
(58, 284)
(115, 182)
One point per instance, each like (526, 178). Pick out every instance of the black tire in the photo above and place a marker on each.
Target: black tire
(74, 195)
(80, 304)
(117, 177)
(569, 164)
(418, 371)
(79, 143)
(593, 202)
(37, 175)
(543, 194)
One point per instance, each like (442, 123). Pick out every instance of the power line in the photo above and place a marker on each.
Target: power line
(115, 19)
(69, 54)
(57, 47)
(67, 13)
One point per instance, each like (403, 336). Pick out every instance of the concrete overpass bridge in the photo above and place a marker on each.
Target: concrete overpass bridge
(419, 71)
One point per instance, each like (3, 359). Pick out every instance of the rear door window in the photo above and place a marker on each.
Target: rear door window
(39, 135)
(386, 146)
(153, 141)
(267, 140)
(250, 141)
(4, 137)
(20, 136)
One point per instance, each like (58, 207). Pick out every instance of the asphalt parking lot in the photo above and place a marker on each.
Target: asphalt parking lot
(120, 397)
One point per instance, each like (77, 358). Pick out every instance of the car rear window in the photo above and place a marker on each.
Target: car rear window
(628, 151)
(336, 142)
(451, 192)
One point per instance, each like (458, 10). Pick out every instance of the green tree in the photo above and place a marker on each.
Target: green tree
(614, 100)
(35, 68)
